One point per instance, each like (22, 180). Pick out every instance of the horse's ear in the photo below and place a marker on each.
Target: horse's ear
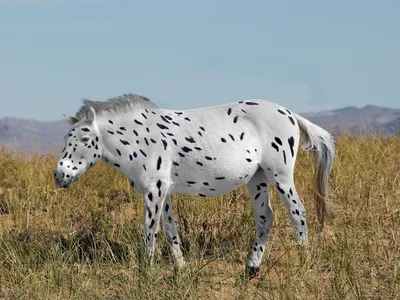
(71, 120)
(90, 114)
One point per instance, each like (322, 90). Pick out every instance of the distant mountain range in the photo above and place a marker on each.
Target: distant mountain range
(351, 120)
(47, 137)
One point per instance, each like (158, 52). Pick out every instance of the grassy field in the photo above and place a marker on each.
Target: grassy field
(86, 243)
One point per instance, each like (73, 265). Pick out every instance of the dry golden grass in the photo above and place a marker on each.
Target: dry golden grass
(86, 243)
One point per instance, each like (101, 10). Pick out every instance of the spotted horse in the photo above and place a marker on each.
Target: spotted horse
(207, 152)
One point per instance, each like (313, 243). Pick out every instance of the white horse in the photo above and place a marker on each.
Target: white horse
(206, 152)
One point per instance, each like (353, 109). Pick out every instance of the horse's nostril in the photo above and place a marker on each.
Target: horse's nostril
(61, 163)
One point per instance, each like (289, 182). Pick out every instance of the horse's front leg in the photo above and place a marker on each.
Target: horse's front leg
(154, 199)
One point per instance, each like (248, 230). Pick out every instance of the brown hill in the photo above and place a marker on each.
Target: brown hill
(358, 121)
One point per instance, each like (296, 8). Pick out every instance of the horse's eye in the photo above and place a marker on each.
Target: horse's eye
(85, 139)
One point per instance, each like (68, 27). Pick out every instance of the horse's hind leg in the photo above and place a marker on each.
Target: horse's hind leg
(263, 217)
(172, 233)
(284, 186)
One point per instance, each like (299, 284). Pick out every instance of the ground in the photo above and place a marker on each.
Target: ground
(86, 242)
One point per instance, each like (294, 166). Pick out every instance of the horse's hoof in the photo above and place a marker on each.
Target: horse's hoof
(253, 272)
(181, 263)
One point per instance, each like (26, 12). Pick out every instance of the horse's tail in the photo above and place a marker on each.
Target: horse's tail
(316, 139)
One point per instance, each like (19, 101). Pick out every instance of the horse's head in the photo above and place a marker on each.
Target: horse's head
(82, 149)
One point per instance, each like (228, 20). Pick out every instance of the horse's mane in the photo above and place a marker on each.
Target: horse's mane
(120, 104)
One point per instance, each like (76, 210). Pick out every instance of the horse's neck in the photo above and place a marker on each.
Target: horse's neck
(109, 140)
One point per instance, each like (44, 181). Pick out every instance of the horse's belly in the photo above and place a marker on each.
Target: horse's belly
(215, 179)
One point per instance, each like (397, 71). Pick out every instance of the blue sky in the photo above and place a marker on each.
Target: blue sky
(306, 55)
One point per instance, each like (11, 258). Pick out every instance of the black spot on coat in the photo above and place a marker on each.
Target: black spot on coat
(164, 119)
(144, 154)
(149, 214)
(186, 149)
(281, 112)
(124, 142)
(278, 140)
(190, 139)
(165, 144)
(152, 223)
(159, 161)
(275, 146)
(161, 126)
(291, 144)
(279, 188)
